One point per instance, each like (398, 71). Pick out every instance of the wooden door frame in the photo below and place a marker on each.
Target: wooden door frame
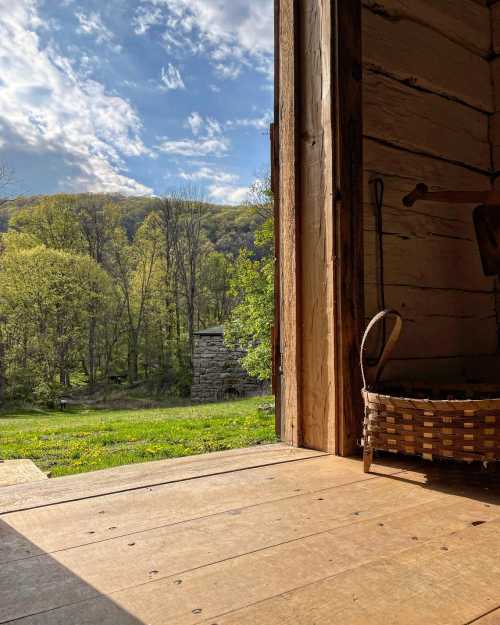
(318, 184)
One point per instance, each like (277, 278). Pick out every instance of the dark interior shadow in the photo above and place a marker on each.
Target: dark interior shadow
(35, 589)
(447, 476)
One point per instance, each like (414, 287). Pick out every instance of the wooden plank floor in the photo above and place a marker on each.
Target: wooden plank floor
(266, 536)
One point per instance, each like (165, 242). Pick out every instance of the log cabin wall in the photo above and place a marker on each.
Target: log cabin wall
(431, 87)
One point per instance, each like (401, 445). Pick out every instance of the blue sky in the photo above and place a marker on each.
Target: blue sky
(136, 96)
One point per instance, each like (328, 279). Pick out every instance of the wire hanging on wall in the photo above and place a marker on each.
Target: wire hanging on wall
(378, 187)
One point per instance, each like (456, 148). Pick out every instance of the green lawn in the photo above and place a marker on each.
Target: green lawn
(76, 441)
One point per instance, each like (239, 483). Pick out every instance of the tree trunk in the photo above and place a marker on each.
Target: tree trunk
(133, 356)
(92, 347)
(178, 325)
(190, 324)
(3, 377)
(64, 379)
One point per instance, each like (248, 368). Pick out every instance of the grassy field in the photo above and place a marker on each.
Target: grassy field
(82, 440)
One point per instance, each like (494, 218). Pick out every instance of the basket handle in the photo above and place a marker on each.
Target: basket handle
(371, 374)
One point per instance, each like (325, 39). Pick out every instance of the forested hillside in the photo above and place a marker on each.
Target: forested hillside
(228, 228)
(95, 287)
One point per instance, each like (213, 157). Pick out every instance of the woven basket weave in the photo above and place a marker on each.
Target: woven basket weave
(467, 430)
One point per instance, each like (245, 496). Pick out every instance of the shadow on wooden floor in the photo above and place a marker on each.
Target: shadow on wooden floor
(43, 580)
(447, 476)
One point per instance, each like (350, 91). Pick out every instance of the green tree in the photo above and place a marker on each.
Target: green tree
(94, 284)
(251, 320)
(44, 298)
(215, 300)
(52, 221)
(134, 266)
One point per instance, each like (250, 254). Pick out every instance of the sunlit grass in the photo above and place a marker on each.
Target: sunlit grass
(76, 441)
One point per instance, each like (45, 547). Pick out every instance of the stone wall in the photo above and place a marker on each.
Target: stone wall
(217, 372)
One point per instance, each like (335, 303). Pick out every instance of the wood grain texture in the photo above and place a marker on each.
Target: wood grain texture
(87, 522)
(316, 227)
(115, 568)
(275, 188)
(495, 72)
(321, 240)
(422, 122)
(450, 581)
(19, 472)
(401, 171)
(427, 248)
(462, 21)
(428, 533)
(495, 25)
(290, 314)
(438, 263)
(407, 169)
(440, 323)
(430, 244)
(493, 618)
(407, 50)
(460, 369)
(495, 140)
(348, 207)
(276, 330)
(117, 564)
(142, 476)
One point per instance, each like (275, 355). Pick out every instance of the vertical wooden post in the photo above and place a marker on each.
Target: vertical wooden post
(320, 221)
(315, 175)
(276, 346)
(275, 184)
(349, 272)
(289, 263)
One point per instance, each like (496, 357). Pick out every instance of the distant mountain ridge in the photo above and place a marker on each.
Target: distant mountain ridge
(228, 228)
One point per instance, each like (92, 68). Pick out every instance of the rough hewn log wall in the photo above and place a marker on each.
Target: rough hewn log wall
(431, 96)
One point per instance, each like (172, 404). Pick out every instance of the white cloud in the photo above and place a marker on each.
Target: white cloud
(227, 194)
(230, 71)
(53, 109)
(92, 24)
(144, 18)
(171, 78)
(195, 122)
(87, 64)
(212, 127)
(208, 141)
(232, 33)
(259, 123)
(205, 126)
(208, 173)
(195, 147)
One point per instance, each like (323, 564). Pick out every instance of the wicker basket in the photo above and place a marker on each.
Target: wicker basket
(467, 430)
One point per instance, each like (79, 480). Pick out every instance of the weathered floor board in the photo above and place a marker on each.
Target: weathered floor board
(312, 540)
(82, 522)
(138, 476)
(13, 472)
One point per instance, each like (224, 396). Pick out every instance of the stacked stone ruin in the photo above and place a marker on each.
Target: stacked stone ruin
(217, 372)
